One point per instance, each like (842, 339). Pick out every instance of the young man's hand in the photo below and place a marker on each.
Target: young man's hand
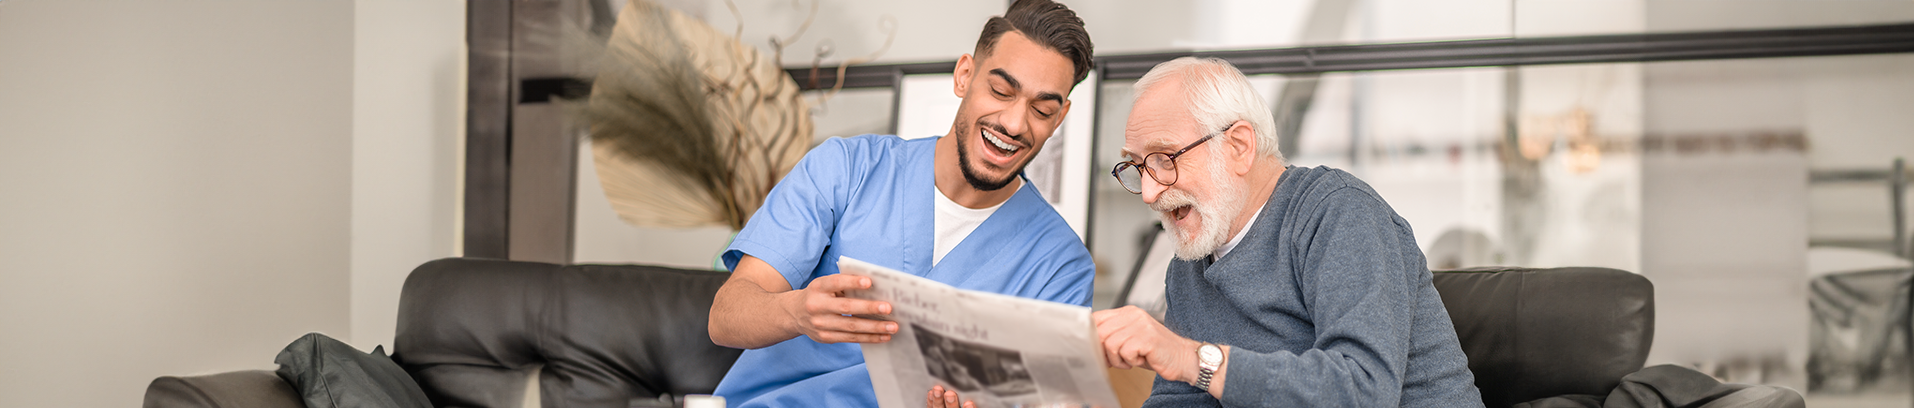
(941, 397)
(821, 308)
(756, 308)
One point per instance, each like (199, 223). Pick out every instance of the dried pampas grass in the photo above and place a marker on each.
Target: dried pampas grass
(689, 127)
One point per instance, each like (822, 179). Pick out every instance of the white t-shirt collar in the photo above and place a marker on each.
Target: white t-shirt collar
(1227, 246)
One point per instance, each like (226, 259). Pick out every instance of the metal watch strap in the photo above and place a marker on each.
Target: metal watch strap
(1203, 378)
(1206, 369)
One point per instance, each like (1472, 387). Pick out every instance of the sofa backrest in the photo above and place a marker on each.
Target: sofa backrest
(471, 329)
(1538, 333)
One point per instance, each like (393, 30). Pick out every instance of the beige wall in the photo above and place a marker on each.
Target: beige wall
(407, 111)
(191, 185)
(175, 183)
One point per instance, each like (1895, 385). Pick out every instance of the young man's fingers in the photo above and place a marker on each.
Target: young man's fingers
(839, 283)
(862, 307)
(817, 304)
(843, 337)
(847, 324)
(950, 399)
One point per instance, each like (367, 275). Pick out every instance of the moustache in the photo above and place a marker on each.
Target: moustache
(1170, 200)
(1001, 131)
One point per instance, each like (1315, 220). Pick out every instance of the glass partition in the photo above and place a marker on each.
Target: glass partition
(1754, 194)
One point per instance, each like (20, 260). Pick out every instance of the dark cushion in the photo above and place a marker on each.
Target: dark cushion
(1538, 333)
(331, 374)
(1669, 385)
(470, 329)
(237, 389)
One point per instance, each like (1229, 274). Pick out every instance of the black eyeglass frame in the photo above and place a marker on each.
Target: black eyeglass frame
(1168, 158)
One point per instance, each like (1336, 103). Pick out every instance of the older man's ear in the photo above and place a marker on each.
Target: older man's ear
(1242, 147)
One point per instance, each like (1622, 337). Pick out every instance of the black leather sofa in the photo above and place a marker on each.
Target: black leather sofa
(1539, 333)
(470, 332)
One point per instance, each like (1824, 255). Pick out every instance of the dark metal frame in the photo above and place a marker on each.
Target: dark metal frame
(1896, 177)
(519, 168)
(1772, 43)
(1897, 198)
(488, 128)
(1897, 190)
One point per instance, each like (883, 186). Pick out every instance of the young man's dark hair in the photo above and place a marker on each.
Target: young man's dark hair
(1044, 22)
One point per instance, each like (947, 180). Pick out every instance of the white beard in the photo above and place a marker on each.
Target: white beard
(1215, 215)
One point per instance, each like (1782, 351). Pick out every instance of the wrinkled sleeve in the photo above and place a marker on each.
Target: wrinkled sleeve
(1356, 287)
(795, 224)
(1176, 394)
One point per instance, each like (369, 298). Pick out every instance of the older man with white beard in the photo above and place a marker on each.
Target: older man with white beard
(1293, 286)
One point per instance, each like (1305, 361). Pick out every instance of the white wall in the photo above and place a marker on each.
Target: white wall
(175, 187)
(407, 107)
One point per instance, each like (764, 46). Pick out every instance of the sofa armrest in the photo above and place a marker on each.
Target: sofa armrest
(605, 335)
(1538, 333)
(255, 388)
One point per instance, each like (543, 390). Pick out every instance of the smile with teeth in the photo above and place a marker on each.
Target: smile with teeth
(999, 143)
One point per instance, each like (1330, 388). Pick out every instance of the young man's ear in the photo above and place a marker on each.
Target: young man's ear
(960, 78)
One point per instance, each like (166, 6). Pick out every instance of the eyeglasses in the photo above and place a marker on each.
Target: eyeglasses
(1161, 166)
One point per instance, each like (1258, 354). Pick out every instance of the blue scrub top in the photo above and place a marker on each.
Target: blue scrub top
(869, 198)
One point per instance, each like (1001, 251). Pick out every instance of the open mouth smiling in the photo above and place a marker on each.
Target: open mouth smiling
(1001, 146)
(1179, 213)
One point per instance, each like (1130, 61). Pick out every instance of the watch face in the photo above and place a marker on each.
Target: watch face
(1210, 354)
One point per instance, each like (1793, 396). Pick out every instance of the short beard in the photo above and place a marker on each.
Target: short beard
(1216, 214)
(970, 173)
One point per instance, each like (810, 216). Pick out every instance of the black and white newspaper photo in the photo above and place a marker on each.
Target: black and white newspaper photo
(994, 349)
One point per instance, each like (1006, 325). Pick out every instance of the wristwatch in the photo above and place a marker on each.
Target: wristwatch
(1209, 357)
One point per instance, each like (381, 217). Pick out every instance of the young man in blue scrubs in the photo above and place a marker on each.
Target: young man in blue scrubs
(953, 209)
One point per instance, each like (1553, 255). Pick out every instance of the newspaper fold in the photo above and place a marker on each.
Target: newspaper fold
(994, 349)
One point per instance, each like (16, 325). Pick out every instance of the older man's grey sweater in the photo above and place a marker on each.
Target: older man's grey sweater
(1326, 301)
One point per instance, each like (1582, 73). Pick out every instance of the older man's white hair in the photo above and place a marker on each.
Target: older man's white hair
(1218, 94)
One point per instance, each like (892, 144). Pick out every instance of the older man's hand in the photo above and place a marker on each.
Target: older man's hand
(1131, 338)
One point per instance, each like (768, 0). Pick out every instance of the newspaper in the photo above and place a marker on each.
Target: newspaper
(994, 349)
